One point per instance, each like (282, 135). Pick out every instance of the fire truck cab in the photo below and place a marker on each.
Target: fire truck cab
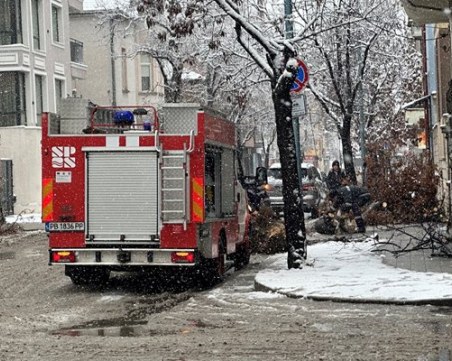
(133, 187)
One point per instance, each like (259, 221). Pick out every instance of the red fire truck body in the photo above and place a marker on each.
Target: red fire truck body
(123, 197)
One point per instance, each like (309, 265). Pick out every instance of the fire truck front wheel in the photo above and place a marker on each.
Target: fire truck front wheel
(88, 275)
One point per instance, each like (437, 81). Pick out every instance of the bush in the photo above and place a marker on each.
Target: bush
(408, 185)
(268, 233)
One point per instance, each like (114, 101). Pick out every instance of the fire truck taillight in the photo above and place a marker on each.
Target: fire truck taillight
(182, 257)
(63, 256)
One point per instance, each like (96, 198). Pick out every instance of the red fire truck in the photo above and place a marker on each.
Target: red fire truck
(135, 187)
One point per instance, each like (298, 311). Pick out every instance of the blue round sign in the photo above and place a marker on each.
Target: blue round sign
(301, 79)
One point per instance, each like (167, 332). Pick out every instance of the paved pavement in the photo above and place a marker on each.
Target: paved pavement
(418, 261)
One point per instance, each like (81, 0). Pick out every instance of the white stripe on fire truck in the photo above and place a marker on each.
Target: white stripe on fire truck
(112, 142)
(132, 141)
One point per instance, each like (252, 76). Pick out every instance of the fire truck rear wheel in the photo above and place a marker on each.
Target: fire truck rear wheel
(218, 269)
(212, 270)
(88, 276)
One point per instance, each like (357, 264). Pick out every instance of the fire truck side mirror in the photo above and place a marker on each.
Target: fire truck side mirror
(261, 175)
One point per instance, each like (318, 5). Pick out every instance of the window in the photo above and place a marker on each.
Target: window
(39, 98)
(212, 191)
(12, 99)
(146, 72)
(10, 22)
(125, 87)
(56, 24)
(36, 18)
(59, 92)
(76, 51)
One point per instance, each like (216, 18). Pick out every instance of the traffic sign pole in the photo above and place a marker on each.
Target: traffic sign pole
(300, 82)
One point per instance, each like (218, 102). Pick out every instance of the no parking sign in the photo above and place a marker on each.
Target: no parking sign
(301, 79)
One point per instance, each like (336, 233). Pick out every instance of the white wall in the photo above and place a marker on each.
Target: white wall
(23, 145)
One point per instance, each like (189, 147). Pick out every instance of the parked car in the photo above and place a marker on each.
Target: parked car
(313, 187)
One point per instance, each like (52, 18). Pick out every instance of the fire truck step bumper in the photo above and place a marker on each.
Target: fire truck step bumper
(123, 257)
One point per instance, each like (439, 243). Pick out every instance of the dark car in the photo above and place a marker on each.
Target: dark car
(313, 187)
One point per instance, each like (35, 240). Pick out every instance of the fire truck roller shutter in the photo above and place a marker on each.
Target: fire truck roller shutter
(122, 195)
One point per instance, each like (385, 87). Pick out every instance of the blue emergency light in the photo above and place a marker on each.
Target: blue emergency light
(124, 117)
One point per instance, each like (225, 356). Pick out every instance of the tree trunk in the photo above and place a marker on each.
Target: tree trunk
(173, 89)
(347, 149)
(293, 210)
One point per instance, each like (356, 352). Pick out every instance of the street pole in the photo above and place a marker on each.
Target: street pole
(288, 22)
(362, 128)
(448, 133)
(288, 19)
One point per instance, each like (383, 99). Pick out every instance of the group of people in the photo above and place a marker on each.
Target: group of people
(345, 196)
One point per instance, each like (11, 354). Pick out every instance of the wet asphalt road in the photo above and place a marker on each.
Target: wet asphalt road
(136, 317)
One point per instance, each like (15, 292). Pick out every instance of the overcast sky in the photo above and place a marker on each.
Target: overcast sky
(101, 4)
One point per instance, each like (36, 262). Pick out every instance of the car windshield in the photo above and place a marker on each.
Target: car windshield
(275, 173)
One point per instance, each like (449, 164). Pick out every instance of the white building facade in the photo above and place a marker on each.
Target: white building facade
(36, 71)
(118, 72)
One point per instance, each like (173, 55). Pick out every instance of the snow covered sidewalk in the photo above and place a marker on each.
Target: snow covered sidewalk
(351, 272)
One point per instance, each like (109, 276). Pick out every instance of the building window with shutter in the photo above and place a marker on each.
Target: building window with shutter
(57, 24)
(36, 19)
(12, 99)
(146, 72)
(125, 87)
(10, 22)
(39, 98)
(59, 92)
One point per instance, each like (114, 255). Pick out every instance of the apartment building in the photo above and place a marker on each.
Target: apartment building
(433, 21)
(118, 71)
(36, 72)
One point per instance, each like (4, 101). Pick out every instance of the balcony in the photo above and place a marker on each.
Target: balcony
(76, 5)
(423, 12)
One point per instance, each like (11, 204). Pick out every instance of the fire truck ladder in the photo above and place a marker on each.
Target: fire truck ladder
(174, 170)
(174, 186)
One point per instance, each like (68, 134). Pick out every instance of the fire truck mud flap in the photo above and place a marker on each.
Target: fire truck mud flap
(88, 275)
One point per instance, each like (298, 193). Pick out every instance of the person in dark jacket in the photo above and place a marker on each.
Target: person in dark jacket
(349, 197)
(334, 178)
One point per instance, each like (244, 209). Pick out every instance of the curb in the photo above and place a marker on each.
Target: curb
(31, 226)
(434, 301)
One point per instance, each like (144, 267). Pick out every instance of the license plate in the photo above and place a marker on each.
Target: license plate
(65, 226)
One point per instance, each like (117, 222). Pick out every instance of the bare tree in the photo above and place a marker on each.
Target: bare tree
(365, 68)
(259, 32)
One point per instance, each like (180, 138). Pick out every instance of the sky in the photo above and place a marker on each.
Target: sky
(101, 4)
(346, 271)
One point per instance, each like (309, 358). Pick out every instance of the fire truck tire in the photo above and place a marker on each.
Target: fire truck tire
(212, 270)
(218, 265)
(88, 276)
(242, 256)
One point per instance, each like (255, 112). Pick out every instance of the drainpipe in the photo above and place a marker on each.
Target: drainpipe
(112, 60)
(448, 133)
(427, 106)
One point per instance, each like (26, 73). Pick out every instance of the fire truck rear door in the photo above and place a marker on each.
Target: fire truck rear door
(122, 195)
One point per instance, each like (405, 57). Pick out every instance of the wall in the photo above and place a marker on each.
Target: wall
(23, 145)
(103, 86)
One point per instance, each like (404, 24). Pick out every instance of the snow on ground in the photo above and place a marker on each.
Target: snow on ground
(24, 218)
(350, 271)
(343, 271)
